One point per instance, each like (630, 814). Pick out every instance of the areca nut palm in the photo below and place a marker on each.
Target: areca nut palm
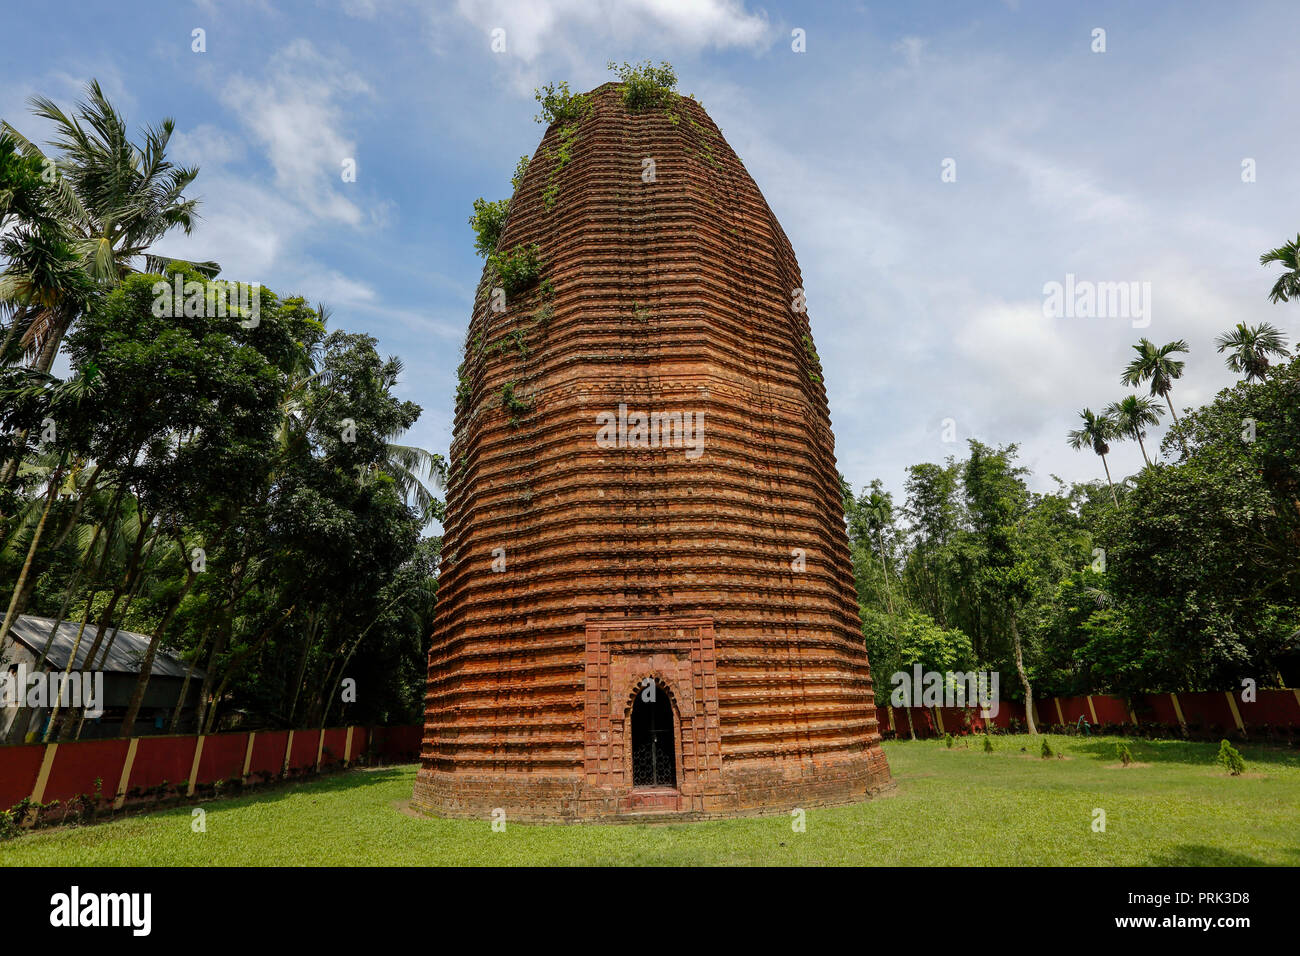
(1287, 285)
(1132, 416)
(1156, 364)
(1096, 433)
(1249, 348)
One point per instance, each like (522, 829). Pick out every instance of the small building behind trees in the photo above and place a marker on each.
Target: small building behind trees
(119, 660)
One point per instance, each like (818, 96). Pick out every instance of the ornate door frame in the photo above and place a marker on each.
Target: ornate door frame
(679, 653)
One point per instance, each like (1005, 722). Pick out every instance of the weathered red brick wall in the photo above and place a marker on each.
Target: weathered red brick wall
(668, 296)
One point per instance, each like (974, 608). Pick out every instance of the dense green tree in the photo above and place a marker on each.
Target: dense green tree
(102, 202)
(896, 643)
(932, 508)
(997, 502)
(872, 535)
(1203, 554)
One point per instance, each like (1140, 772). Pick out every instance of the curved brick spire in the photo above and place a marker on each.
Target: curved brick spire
(574, 570)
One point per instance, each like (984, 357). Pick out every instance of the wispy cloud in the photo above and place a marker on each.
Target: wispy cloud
(294, 110)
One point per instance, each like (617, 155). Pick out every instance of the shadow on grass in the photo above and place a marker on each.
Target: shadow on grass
(1194, 752)
(1191, 854)
(345, 780)
(354, 779)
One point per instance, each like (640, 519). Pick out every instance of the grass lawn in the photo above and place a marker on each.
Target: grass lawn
(959, 806)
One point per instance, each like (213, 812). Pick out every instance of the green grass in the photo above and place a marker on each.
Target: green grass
(959, 806)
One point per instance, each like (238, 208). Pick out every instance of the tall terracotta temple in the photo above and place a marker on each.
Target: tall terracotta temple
(646, 604)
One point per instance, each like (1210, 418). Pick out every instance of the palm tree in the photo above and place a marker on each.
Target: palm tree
(114, 199)
(405, 464)
(1156, 365)
(1132, 415)
(42, 271)
(1287, 285)
(1251, 348)
(109, 201)
(1096, 433)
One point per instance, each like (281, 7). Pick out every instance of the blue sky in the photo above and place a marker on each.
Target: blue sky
(926, 297)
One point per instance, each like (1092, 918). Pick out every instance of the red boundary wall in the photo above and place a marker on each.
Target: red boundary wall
(122, 769)
(1204, 712)
(49, 772)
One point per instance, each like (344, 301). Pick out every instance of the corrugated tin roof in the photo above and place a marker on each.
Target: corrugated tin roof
(125, 656)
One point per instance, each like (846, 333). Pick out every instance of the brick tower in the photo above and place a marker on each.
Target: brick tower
(646, 603)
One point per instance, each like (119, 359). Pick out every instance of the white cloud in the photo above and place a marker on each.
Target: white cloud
(289, 116)
(243, 225)
(335, 289)
(1065, 190)
(206, 146)
(577, 37)
(294, 112)
(911, 47)
(533, 29)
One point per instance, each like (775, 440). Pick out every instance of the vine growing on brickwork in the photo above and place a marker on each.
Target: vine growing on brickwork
(568, 109)
(810, 351)
(514, 341)
(517, 269)
(517, 179)
(707, 137)
(515, 406)
(464, 387)
(559, 158)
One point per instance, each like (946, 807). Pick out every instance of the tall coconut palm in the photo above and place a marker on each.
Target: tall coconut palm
(114, 198)
(1132, 416)
(1251, 348)
(42, 271)
(1096, 433)
(1156, 365)
(110, 200)
(1287, 285)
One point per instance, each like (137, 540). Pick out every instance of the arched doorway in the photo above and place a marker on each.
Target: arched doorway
(654, 751)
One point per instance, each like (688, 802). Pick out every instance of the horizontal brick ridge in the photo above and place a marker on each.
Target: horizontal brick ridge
(666, 296)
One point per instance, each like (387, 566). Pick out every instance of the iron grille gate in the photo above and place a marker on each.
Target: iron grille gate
(653, 752)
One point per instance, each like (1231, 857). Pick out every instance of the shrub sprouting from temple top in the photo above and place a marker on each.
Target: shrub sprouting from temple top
(559, 105)
(646, 86)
